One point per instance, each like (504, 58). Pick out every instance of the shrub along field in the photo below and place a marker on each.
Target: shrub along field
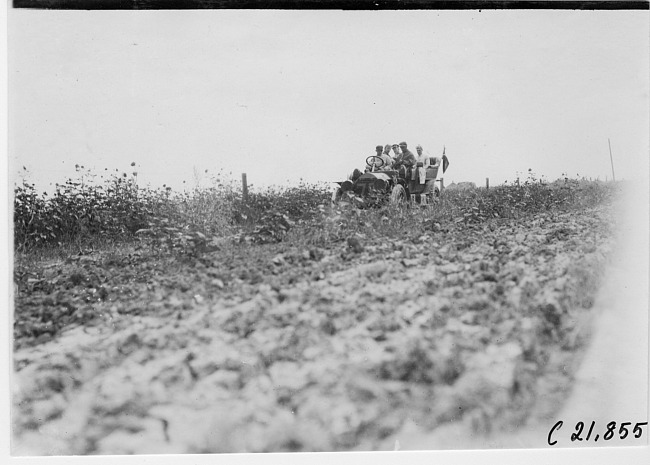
(148, 320)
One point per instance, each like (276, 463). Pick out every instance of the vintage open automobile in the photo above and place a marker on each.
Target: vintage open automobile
(378, 186)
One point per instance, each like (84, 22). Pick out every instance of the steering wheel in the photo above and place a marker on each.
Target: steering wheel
(371, 158)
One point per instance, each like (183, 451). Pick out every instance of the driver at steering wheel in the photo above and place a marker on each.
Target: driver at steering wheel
(380, 161)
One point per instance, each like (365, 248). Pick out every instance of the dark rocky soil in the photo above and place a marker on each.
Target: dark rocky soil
(258, 348)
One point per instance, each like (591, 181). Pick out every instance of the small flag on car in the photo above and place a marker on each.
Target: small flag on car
(445, 160)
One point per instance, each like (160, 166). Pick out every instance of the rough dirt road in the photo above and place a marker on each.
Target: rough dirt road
(457, 338)
(611, 383)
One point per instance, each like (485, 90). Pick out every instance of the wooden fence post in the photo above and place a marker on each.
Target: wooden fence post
(244, 187)
(487, 183)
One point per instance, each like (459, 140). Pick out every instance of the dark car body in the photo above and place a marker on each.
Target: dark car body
(393, 185)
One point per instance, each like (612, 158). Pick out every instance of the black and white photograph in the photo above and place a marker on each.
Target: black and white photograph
(392, 234)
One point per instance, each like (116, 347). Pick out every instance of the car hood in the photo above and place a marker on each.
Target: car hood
(375, 175)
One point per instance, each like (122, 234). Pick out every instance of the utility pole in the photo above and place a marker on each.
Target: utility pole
(244, 186)
(611, 159)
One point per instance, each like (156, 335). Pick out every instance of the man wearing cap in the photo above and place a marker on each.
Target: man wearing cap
(374, 164)
(397, 156)
(397, 153)
(407, 158)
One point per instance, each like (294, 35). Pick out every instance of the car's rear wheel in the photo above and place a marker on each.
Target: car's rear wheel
(431, 191)
(397, 195)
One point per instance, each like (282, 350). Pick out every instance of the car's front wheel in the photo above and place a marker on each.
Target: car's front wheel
(397, 195)
(337, 195)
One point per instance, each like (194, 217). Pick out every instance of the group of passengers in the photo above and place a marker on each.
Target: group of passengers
(402, 156)
(402, 159)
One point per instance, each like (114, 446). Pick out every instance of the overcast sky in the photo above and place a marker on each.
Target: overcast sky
(284, 95)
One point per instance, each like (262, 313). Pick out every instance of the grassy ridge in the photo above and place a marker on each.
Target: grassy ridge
(83, 213)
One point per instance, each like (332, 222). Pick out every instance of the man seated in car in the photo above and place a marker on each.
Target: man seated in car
(407, 158)
(375, 164)
(397, 153)
(422, 157)
(388, 160)
(422, 162)
(405, 161)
